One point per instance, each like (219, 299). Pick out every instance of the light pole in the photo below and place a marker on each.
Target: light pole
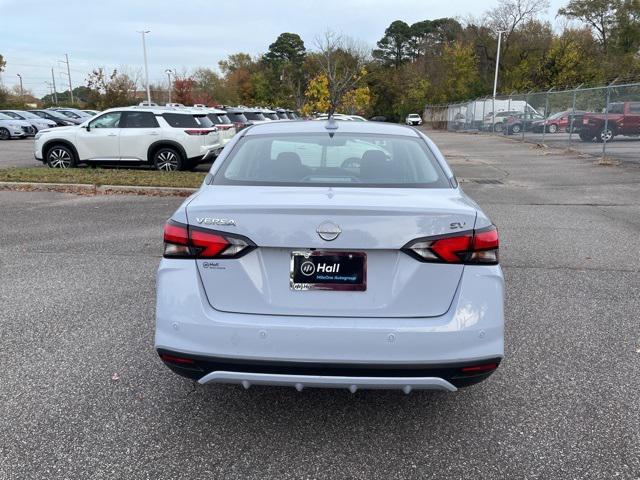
(495, 79)
(53, 79)
(168, 71)
(146, 66)
(21, 89)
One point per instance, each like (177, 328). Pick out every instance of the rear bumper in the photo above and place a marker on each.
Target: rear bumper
(354, 377)
(210, 151)
(469, 333)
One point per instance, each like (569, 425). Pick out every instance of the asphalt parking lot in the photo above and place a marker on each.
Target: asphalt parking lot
(624, 149)
(17, 153)
(83, 394)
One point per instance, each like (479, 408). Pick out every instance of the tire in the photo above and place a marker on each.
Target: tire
(498, 127)
(61, 156)
(606, 134)
(553, 128)
(516, 129)
(168, 159)
(4, 134)
(586, 137)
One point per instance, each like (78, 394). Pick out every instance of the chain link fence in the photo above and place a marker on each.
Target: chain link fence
(600, 121)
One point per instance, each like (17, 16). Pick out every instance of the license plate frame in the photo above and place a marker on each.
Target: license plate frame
(300, 257)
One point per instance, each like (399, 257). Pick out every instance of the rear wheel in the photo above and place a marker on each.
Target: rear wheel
(60, 156)
(168, 159)
(4, 134)
(605, 135)
(497, 127)
(553, 128)
(516, 128)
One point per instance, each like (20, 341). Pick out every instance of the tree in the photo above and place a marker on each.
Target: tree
(3, 63)
(393, 48)
(460, 63)
(284, 71)
(317, 95)
(627, 30)
(183, 91)
(510, 14)
(288, 47)
(342, 61)
(598, 14)
(107, 91)
(357, 101)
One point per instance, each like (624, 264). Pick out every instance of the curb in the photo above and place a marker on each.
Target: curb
(90, 189)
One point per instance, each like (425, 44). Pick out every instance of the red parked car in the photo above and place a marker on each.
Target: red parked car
(623, 118)
(557, 122)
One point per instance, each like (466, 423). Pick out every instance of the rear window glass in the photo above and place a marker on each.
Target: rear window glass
(237, 117)
(181, 120)
(140, 120)
(257, 116)
(344, 160)
(218, 118)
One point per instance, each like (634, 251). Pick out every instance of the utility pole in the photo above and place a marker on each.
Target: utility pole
(55, 94)
(169, 72)
(21, 89)
(66, 60)
(495, 79)
(146, 66)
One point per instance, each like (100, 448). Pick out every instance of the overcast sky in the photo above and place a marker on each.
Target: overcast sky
(185, 34)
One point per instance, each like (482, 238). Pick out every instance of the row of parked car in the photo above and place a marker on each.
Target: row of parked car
(26, 123)
(621, 118)
(169, 138)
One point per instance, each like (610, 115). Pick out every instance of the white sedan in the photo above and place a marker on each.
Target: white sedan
(331, 254)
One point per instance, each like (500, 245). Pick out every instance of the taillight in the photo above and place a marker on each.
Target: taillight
(184, 241)
(197, 131)
(474, 247)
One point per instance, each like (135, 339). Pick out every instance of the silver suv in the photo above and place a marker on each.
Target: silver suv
(168, 139)
(35, 121)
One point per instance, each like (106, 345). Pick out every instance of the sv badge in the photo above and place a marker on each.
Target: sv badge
(456, 225)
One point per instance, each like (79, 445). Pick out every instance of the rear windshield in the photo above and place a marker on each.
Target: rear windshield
(237, 117)
(340, 160)
(272, 116)
(13, 115)
(219, 118)
(181, 120)
(69, 114)
(254, 116)
(282, 116)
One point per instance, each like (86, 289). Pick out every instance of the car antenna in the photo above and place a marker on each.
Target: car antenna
(331, 122)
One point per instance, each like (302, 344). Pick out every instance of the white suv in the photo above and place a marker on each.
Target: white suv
(413, 119)
(166, 138)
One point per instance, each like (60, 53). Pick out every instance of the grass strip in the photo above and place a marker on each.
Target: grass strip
(103, 176)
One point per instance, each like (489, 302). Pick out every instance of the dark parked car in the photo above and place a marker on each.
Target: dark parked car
(378, 118)
(60, 119)
(521, 121)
